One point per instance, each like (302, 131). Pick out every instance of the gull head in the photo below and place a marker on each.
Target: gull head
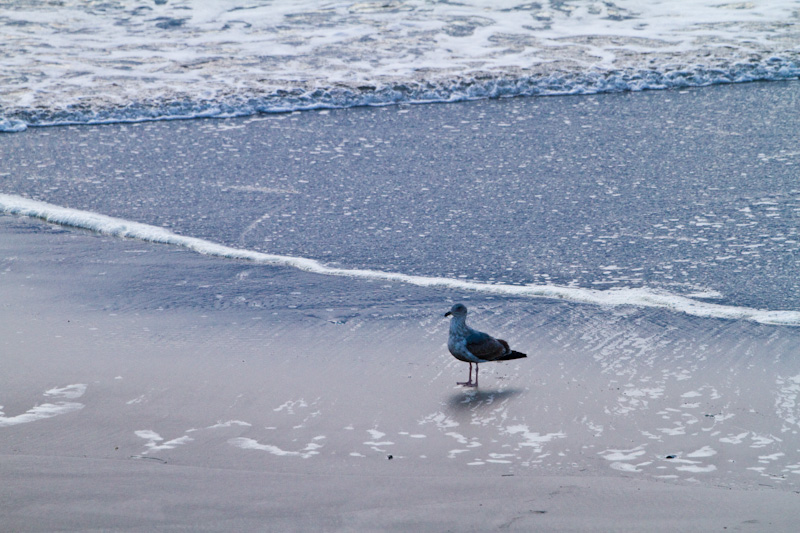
(459, 310)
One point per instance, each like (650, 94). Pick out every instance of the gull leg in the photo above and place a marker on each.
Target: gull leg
(468, 383)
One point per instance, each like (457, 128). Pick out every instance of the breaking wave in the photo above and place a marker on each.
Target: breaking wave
(87, 63)
(174, 107)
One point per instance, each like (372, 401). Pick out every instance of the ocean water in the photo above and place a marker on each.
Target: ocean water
(77, 62)
(683, 199)
(641, 246)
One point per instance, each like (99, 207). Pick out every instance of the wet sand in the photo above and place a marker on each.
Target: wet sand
(120, 414)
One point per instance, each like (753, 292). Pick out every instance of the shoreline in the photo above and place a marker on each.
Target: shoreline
(126, 229)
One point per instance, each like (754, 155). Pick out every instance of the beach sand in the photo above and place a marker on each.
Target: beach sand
(211, 417)
(148, 387)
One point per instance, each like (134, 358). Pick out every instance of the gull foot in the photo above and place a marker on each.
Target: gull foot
(467, 383)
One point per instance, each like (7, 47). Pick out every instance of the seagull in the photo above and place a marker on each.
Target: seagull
(472, 346)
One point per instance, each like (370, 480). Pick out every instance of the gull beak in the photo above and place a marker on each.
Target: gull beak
(448, 314)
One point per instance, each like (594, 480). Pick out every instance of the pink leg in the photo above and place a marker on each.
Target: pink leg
(470, 383)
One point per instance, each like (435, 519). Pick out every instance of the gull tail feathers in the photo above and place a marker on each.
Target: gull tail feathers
(510, 354)
(513, 355)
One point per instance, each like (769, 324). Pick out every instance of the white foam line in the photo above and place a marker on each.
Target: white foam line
(106, 225)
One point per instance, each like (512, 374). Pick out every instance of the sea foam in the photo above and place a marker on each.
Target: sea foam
(640, 297)
(174, 60)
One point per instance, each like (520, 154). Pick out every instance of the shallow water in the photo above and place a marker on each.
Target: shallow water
(688, 194)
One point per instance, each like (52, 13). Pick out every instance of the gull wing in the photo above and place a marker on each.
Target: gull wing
(484, 346)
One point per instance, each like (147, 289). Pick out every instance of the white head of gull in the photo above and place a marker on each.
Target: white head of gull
(472, 346)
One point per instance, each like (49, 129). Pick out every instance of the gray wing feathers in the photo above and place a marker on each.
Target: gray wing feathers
(486, 347)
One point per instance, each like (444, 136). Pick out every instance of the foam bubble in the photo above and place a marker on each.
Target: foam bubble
(153, 439)
(39, 412)
(696, 469)
(705, 451)
(251, 444)
(70, 391)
